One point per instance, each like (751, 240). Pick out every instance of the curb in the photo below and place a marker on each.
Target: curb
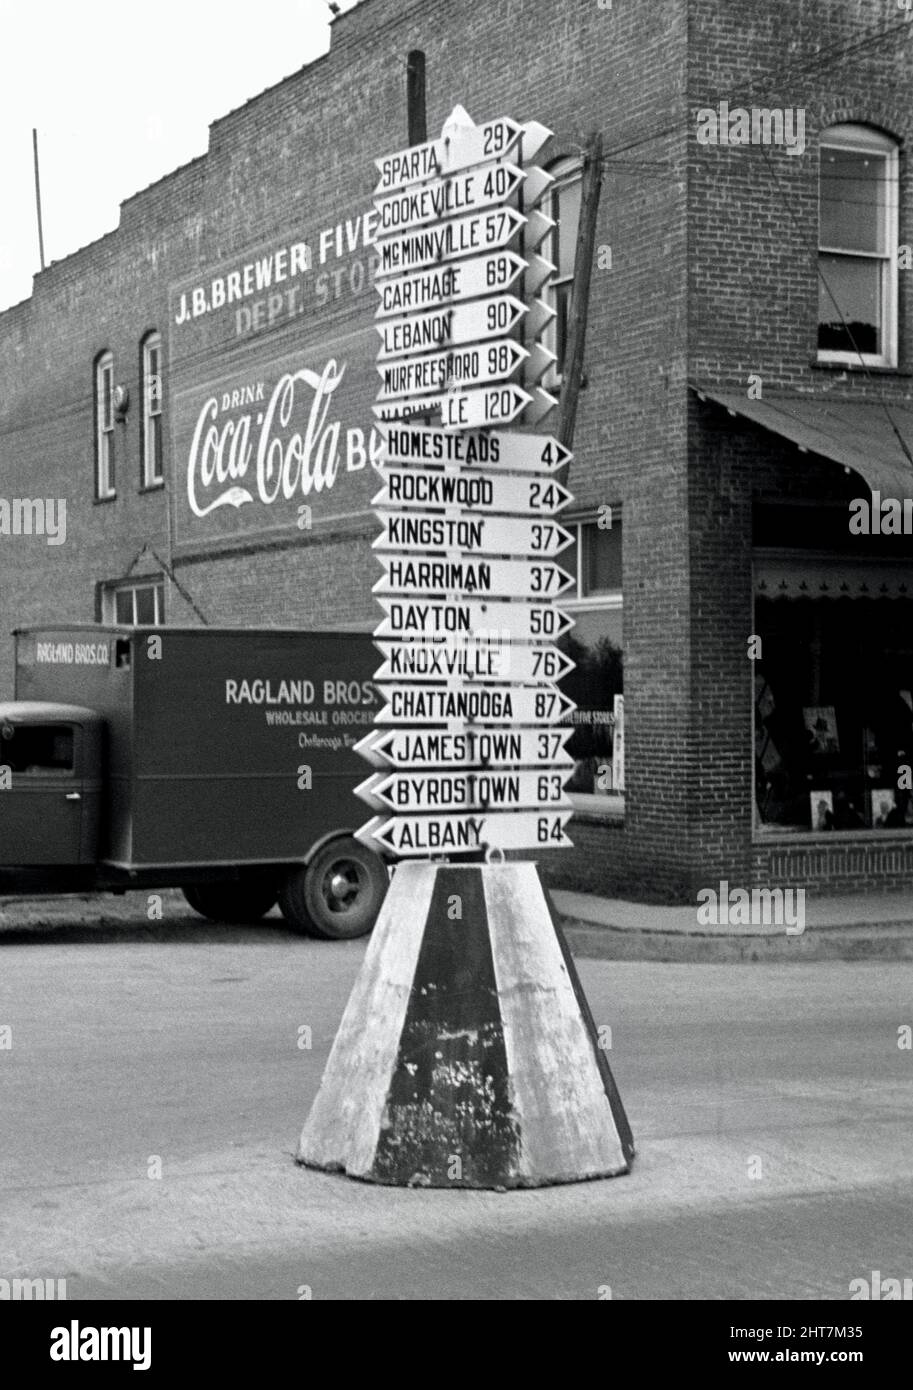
(861, 941)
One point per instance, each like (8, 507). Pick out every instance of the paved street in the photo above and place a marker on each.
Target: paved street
(770, 1104)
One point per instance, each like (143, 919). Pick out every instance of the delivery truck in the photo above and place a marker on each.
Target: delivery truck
(215, 760)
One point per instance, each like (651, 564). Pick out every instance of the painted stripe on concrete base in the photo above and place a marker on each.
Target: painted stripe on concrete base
(567, 1127)
(342, 1128)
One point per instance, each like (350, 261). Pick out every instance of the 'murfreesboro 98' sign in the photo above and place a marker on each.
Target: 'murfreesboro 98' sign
(468, 751)
(271, 380)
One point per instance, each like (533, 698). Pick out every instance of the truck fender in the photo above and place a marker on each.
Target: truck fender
(318, 845)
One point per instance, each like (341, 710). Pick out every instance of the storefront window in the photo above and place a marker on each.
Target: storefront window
(833, 702)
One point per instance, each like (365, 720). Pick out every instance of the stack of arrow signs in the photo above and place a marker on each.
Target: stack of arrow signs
(469, 745)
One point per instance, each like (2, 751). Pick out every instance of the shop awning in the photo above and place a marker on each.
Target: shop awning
(857, 434)
(779, 574)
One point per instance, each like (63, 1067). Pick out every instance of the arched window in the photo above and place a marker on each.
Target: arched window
(857, 241)
(152, 443)
(104, 426)
(563, 205)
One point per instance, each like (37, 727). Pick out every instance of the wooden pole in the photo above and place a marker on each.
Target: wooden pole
(38, 196)
(580, 293)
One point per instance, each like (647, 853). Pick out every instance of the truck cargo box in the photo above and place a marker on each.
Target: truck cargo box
(223, 745)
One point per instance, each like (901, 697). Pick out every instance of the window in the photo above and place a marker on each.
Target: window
(595, 643)
(104, 426)
(36, 748)
(140, 603)
(833, 700)
(560, 249)
(858, 236)
(152, 465)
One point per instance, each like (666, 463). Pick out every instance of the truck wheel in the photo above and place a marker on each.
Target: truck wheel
(338, 895)
(231, 902)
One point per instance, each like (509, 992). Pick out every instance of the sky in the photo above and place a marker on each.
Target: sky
(121, 93)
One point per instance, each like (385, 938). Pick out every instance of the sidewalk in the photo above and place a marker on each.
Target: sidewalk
(852, 926)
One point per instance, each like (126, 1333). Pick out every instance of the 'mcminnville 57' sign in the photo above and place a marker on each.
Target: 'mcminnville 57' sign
(285, 444)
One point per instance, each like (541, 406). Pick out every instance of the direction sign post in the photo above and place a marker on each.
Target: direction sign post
(468, 751)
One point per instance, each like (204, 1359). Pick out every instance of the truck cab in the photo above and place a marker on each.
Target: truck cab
(51, 770)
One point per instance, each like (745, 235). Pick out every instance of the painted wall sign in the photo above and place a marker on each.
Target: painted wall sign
(255, 448)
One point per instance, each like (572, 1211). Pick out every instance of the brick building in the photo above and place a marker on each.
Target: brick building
(748, 367)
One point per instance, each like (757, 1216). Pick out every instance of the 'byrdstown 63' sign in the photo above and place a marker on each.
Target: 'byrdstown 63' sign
(268, 394)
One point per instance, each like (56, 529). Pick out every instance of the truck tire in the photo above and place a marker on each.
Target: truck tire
(231, 902)
(338, 895)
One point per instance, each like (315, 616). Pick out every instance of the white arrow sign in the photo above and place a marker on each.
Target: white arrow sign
(418, 748)
(457, 195)
(421, 836)
(445, 327)
(472, 535)
(471, 661)
(441, 371)
(471, 144)
(448, 284)
(521, 622)
(515, 453)
(478, 491)
(483, 704)
(463, 236)
(465, 409)
(533, 579)
(469, 790)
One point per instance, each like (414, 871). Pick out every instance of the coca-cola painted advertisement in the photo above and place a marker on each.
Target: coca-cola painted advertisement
(272, 378)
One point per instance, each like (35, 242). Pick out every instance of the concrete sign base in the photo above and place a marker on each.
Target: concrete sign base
(467, 1056)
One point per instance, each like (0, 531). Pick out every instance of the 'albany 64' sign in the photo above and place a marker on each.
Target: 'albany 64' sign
(289, 443)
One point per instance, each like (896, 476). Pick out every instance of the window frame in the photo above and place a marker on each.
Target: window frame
(150, 477)
(861, 139)
(105, 451)
(110, 592)
(565, 172)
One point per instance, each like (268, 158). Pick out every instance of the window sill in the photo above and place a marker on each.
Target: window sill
(783, 835)
(151, 487)
(858, 368)
(100, 501)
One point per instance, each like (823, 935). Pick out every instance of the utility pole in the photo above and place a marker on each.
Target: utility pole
(38, 196)
(580, 294)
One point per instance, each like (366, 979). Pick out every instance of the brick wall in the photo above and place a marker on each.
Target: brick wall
(713, 277)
